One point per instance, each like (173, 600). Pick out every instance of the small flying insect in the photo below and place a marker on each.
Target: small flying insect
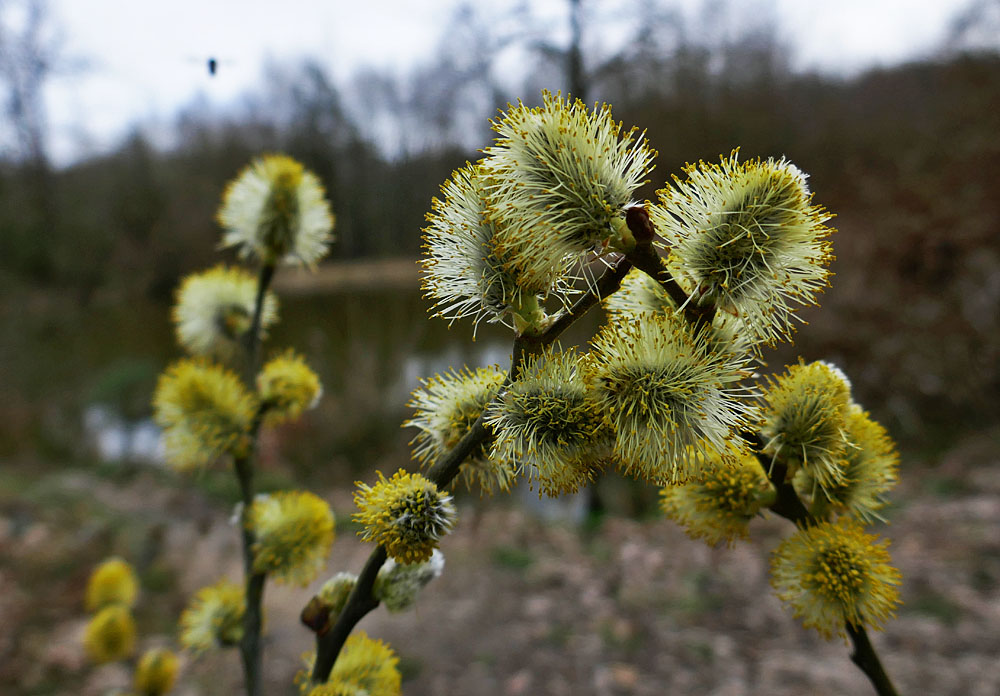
(213, 63)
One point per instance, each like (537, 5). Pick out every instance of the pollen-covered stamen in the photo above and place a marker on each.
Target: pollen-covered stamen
(110, 634)
(445, 408)
(560, 179)
(214, 617)
(549, 424)
(276, 211)
(464, 271)
(668, 395)
(419, 516)
(112, 582)
(286, 387)
(406, 514)
(213, 311)
(836, 573)
(747, 235)
(868, 470)
(205, 412)
(364, 667)
(719, 506)
(805, 415)
(293, 531)
(156, 672)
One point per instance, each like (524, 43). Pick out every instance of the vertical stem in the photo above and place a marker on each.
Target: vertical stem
(250, 648)
(254, 590)
(253, 335)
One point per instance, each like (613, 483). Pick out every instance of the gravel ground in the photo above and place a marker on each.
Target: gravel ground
(525, 606)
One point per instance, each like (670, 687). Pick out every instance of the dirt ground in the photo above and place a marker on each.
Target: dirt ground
(525, 606)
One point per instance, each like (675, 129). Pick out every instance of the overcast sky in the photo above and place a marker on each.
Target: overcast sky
(147, 58)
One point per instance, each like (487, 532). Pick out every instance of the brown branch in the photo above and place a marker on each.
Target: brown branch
(865, 657)
(644, 257)
(606, 285)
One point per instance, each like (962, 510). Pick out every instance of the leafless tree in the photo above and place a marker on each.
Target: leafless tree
(28, 54)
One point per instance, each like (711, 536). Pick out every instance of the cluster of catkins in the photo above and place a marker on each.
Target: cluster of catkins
(110, 635)
(667, 391)
(275, 213)
(663, 393)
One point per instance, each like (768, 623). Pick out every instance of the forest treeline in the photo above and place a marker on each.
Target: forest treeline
(906, 156)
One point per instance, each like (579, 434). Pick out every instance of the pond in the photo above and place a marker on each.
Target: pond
(370, 349)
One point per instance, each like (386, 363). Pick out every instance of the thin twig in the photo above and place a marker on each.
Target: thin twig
(253, 335)
(789, 506)
(606, 285)
(644, 257)
(865, 657)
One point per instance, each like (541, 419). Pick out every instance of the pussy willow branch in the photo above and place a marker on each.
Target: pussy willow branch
(244, 467)
(788, 504)
(362, 600)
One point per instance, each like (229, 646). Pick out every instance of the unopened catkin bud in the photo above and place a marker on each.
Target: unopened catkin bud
(156, 672)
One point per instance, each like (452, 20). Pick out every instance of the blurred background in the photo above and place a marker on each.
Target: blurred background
(122, 123)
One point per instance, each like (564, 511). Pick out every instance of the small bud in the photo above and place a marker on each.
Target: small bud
(156, 673)
(639, 224)
(316, 616)
(336, 590)
(112, 582)
(110, 635)
(324, 608)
